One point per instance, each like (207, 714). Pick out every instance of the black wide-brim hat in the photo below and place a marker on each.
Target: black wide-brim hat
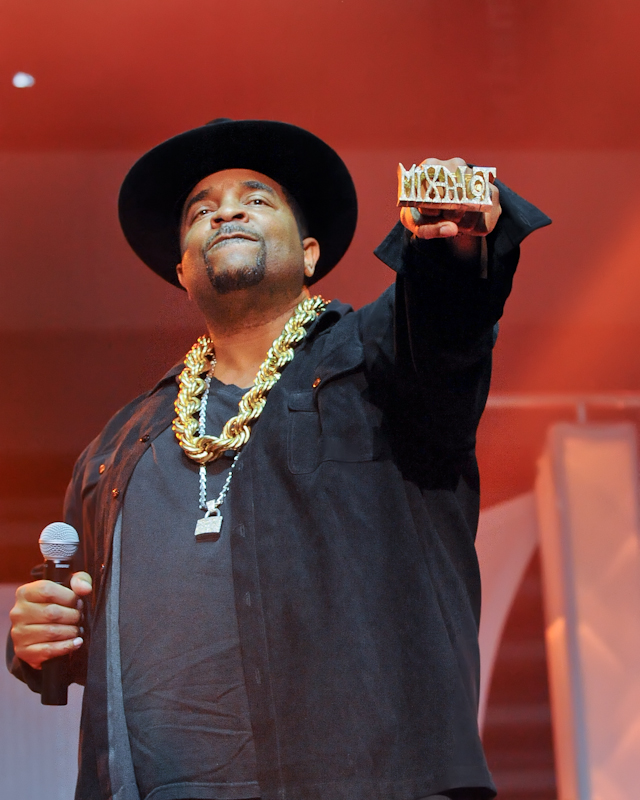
(154, 190)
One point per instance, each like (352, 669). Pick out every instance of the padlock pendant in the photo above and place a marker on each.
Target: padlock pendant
(208, 528)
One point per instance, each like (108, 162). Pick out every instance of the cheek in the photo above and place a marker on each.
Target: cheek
(185, 247)
(193, 238)
(192, 270)
(286, 246)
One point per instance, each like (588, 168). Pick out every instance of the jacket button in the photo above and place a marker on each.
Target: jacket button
(102, 468)
(316, 382)
(102, 568)
(115, 492)
(145, 438)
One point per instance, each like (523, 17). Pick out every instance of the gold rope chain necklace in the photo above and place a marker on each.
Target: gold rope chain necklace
(235, 434)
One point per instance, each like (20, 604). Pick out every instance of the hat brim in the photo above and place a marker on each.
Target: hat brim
(154, 190)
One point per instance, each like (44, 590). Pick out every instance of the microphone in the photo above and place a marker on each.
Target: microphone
(58, 544)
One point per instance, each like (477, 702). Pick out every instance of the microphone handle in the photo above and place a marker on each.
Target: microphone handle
(55, 670)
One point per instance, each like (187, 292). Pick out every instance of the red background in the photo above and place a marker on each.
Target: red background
(546, 91)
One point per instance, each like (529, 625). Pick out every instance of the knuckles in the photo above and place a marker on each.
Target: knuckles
(50, 592)
(48, 651)
(54, 633)
(51, 613)
(455, 162)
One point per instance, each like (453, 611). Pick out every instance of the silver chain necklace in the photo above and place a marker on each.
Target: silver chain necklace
(208, 528)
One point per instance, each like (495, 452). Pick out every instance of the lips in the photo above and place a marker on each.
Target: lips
(226, 237)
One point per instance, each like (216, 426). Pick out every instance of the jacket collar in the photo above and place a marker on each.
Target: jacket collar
(334, 311)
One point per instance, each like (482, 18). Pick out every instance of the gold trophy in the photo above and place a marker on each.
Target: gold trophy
(435, 186)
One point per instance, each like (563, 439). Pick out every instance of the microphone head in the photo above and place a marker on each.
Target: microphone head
(58, 542)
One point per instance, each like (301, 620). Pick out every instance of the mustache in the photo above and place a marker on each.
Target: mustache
(226, 229)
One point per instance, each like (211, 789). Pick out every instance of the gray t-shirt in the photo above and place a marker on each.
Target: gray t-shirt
(184, 692)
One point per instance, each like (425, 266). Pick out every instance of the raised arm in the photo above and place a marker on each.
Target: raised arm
(454, 274)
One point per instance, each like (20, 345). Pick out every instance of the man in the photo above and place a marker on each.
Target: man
(316, 638)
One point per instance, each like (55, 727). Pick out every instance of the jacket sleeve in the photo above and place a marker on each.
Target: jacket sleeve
(446, 317)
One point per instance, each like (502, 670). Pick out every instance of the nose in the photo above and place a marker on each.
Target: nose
(229, 209)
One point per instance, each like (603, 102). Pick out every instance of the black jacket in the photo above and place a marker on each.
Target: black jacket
(356, 579)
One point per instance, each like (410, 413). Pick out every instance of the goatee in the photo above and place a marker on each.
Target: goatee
(242, 277)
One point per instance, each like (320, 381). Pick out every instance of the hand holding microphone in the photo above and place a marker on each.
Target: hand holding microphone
(46, 616)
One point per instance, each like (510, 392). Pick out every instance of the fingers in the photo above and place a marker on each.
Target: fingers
(38, 652)
(450, 163)
(35, 606)
(433, 223)
(481, 223)
(46, 592)
(46, 619)
(38, 642)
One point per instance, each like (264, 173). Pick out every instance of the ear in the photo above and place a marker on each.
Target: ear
(311, 255)
(181, 278)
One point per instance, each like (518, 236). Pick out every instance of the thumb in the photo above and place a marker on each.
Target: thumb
(81, 583)
(427, 226)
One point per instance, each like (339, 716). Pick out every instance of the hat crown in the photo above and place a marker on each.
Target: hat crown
(153, 192)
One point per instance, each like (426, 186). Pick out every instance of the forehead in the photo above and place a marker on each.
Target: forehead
(239, 179)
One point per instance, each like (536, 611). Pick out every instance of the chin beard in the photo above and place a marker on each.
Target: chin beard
(241, 278)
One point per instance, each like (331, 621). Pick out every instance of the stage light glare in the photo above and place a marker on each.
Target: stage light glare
(22, 80)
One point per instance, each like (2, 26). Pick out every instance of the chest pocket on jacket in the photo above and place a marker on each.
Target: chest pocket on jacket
(336, 423)
(97, 467)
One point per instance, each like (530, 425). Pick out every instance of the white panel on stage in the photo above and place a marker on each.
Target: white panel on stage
(38, 744)
(590, 543)
(506, 541)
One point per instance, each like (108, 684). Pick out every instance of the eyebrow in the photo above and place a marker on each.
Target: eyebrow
(206, 192)
(258, 185)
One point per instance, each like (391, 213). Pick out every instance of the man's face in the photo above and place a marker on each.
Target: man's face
(238, 231)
